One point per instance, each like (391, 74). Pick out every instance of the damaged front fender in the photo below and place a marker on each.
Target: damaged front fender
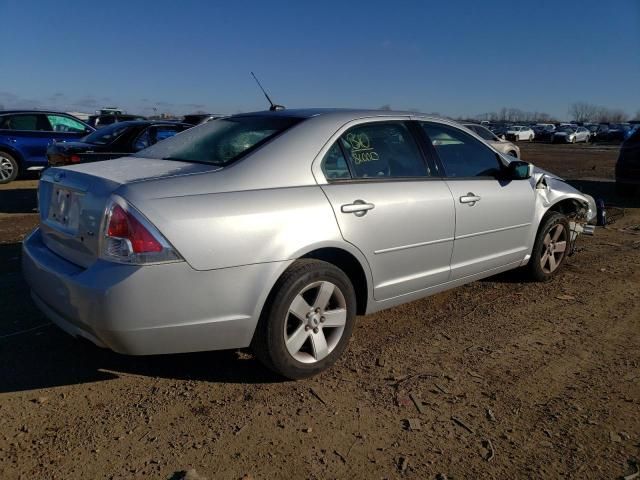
(554, 194)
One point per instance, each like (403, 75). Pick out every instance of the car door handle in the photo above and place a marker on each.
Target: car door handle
(470, 198)
(358, 208)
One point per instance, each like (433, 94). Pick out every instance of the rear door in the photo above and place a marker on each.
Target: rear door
(29, 134)
(493, 215)
(390, 206)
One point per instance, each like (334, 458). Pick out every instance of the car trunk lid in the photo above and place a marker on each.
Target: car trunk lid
(72, 200)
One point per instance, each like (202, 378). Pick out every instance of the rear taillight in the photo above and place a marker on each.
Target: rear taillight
(74, 158)
(130, 238)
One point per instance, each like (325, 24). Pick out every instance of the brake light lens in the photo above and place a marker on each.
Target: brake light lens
(125, 226)
(74, 158)
(130, 238)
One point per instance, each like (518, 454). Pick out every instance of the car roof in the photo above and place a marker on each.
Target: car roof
(13, 112)
(142, 123)
(342, 115)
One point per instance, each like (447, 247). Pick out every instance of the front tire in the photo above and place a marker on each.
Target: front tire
(307, 321)
(550, 248)
(8, 168)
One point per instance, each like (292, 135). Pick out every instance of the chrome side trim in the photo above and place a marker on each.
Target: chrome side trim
(413, 245)
(469, 235)
(30, 169)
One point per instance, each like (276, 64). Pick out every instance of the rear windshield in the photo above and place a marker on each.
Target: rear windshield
(220, 142)
(106, 135)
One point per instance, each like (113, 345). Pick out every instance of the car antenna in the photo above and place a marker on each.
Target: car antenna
(274, 107)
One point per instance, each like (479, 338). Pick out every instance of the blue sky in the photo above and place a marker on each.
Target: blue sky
(454, 57)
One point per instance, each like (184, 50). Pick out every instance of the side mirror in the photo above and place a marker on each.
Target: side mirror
(518, 170)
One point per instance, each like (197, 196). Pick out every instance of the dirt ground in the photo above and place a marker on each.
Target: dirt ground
(498, 379)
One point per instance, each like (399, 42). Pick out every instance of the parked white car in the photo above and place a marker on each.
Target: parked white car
(518, 132)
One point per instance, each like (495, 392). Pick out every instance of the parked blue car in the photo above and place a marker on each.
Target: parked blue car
(25, 136)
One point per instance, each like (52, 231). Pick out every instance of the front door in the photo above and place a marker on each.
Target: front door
(494, 215)
(390, 207)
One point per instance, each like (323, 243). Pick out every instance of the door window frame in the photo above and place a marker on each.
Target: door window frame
(413, 130)
(428, 144)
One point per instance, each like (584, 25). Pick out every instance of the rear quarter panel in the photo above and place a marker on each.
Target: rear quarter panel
(220, 230)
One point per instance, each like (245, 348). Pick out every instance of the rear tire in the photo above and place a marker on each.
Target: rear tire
(9, 168)
(550, 248)
(307, 320)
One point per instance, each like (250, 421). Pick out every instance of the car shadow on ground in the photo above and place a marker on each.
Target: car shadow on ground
(36, 354)
(18, 200)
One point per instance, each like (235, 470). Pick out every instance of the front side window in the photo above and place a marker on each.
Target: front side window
(382, 149)
(65, 124)
(222, 141)
(461, 154)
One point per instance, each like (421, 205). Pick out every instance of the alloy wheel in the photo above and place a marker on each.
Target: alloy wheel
(6, 168)
(315, 322)
(554, 248)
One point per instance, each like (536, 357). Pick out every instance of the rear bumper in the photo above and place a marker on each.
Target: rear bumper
(156, 309)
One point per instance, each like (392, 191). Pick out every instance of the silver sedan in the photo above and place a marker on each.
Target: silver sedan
(275, 229)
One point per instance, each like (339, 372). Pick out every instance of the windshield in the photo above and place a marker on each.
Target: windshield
(221, 141)
(567, 129)
(106, 135)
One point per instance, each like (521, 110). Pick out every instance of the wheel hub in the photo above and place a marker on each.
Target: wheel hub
(314, 327)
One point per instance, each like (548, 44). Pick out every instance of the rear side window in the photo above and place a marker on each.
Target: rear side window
(461, 154)
(379, 150)
(334, 164)
(26, 122)
(221, 142)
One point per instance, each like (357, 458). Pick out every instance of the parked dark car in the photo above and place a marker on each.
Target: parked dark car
(198, 118)
(117, 140)
(628, 165)
(544, 132)
(26, 134)
(617, 132)
(99, 121)
(500, 131)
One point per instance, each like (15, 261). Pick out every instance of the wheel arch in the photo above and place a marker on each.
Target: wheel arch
(351, 266)
(566, 206)
(14, 153)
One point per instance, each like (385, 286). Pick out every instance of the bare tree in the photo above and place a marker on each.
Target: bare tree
(583, 111)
